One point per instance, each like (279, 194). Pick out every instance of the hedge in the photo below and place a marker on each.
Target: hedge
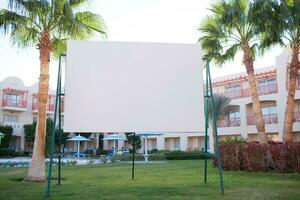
(10, 152)
(261, 157)
(186, 155)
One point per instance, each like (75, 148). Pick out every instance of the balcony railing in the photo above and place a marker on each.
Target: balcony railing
(267, 89)
(296, 116)
(262, 90)
(17, 104)
(35, 106)
(230, 122)
(269, 119)
(50, 107)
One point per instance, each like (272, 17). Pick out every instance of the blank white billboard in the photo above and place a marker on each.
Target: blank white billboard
(133, 87)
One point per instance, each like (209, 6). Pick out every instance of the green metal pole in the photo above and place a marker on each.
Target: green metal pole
(216, 131)
(206, 123)
(133, 152)
(59, 133)
(52, 137)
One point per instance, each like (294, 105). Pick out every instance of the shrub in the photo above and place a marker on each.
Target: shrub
(233, 140)
(10, 152)
(7, 131)
(261, 157)
(184, 155)
(163, 151)
(139, 157)
(102, 152)
(154, 151)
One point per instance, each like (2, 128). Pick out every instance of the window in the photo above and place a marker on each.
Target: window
(34, 119)
(234, 119)
(269, 114)
(12, 98)
(267, 86)
(10, 118)
(233, 90)
(233, 87)
(269, 110)
(267, 82)
(234, 115)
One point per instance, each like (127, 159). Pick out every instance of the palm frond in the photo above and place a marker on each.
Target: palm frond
(26, 20)
(23, 32)
(226, 30)
(222, 107)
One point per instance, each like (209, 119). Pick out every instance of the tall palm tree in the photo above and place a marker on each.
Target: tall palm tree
(222, 109)
(228, 30)
(281, 25)
(47, 25)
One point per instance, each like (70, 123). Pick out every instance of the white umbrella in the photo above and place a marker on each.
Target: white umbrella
(114, 137)
(78, 138)
(146, 141)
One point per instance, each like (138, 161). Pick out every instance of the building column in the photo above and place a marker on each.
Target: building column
(183, 143)
(22, 143)
(282, 79)
(160, 142)
(243, 114)
(97, 140)
(211, 142)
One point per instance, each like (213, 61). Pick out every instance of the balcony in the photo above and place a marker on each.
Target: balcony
(230, 122)
(14, 105)
(241, 93)
(50, 105)
(269, 119)
(35, 107)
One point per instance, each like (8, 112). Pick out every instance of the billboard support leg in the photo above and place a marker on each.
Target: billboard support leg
(133, 161)
(209, 96)
(52, 136)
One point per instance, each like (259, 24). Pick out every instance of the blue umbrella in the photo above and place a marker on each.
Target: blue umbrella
(78, 138)
(114, 137)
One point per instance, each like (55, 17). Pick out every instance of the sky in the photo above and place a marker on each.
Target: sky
(171, 21)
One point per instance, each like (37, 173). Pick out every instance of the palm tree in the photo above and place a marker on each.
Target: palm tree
(222, 109)
(224, 33)
(282, 26)
(47, 25)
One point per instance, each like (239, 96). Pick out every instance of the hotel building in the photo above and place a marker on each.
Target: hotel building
(19, 107)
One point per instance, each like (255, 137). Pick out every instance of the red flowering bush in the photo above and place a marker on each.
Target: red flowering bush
(261, 157)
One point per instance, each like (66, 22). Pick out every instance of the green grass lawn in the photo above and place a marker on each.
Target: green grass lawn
(172, 180)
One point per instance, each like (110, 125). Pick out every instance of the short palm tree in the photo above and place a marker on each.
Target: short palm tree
(228, 30)
(47, 25)
(281, 25)
(222, 109)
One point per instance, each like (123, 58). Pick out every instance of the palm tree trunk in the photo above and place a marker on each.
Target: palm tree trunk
(260, 123)
(37, 169)
(290, 104)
